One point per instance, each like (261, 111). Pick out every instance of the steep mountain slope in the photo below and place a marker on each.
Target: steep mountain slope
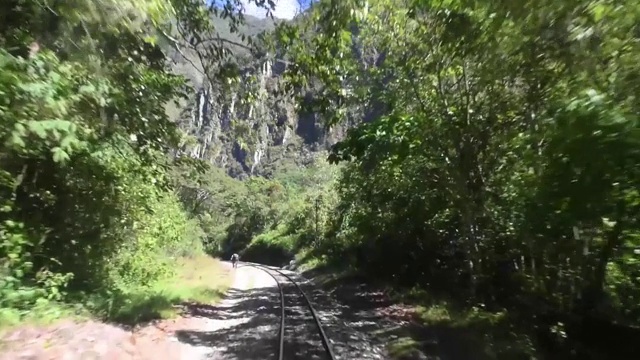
(247, 137)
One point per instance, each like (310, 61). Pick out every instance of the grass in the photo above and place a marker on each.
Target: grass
(307, 260)
(482, 334)
(405, 347)
(201, 279)
(43, 313)
(488, 334)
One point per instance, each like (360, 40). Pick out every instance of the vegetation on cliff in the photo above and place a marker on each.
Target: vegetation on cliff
(89, 177)
(495, 163)
(502, 168)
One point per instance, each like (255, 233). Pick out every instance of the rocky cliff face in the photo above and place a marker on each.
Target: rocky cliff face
(250, 137)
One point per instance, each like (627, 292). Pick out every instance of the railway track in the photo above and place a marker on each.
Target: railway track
(283, 306)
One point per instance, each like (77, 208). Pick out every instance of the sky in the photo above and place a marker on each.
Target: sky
(285, 9)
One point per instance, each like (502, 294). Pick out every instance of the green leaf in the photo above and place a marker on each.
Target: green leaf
(16, 140)
(20, 129)
(67, 142)
(59, 155)
(37, 127)
(87, 89)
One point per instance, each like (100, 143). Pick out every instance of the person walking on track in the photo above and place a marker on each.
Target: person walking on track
(234, 260)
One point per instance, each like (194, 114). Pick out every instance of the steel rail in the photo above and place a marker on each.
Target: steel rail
(323, 335)
(282, 316)
(314, 314)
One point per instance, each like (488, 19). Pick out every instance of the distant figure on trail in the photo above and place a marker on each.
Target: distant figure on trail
(234, 260)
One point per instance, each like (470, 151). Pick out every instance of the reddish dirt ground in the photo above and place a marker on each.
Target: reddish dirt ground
(87, 340)
(94, 340)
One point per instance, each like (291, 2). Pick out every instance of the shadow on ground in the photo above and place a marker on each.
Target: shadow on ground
(247, 329)
(355, 318)
(143, 309)
(370, 311)
(249, 325)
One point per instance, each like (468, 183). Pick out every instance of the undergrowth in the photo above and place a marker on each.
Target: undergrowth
(91, 211)
(491, 334)
(200, 279)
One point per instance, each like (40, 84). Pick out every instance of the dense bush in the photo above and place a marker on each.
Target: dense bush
(501, 165)
(265, 220)
(86, 172)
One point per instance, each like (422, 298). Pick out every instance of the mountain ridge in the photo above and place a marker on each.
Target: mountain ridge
(246, 138)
